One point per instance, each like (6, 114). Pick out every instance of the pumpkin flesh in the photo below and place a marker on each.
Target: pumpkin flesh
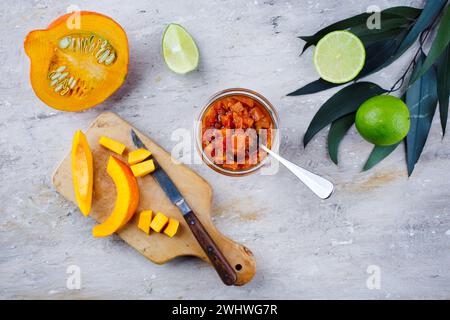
(127, 198)
(82, 172)
(76, 69)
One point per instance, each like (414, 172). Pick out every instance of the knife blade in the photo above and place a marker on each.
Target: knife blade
(218, 260)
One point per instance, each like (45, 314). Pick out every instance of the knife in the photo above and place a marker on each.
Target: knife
(218, 260)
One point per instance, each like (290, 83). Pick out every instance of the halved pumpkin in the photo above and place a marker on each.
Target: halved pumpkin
(82, 172)
(127, 198)
(75, 67)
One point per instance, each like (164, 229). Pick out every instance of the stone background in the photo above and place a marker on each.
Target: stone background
(305, 247)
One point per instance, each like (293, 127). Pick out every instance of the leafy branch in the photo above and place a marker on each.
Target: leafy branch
(428, 85)
(411, 66)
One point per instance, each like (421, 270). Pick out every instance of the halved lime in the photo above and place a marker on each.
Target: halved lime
(179, 49)
(339, 56)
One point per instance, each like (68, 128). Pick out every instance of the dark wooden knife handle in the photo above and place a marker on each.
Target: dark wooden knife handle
(218, 260)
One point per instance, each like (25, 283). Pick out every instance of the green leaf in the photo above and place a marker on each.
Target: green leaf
(410, 13)
(429, 13)
(360, 21)
(378, 153)
(407, 37)
(313, 87)
(378, 55)
(374, 37)
(345, 101)
(337, 132)
(421, 98)
(440, 42)
(390, 28)
(443, 86)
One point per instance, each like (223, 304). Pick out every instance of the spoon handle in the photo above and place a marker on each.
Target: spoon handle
(320, 186)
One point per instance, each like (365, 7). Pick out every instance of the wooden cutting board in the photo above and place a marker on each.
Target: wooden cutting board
(198, 193)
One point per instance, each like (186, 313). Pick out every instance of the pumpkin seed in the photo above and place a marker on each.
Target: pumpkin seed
(82, 44)
(64, 42)
(72, 44)
(91, 45)
(54, 82)
(91, 48)
(55, 75)
(61, 69)
(98, 47)
(65, 90)
(103, 57)
(99, 53)
(58, 87)
(88, 44)
(63, 75)
(72, 85)
(110, 59)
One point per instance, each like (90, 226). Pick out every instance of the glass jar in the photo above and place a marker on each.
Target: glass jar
(263, 102)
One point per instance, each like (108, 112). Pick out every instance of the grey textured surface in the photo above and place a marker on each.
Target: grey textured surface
(305, 247)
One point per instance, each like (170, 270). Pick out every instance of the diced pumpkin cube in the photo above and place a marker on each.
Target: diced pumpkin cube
(248, 101)
(172, 227)
(229, 101)
(209, 149)
(143, 168)
(226, 120)
(145, 218)
(238, 122)
(138, 155)
(237, 107)
(158, 222)
(113, 145)
(249, 122)
(256, 114)
(262, 123)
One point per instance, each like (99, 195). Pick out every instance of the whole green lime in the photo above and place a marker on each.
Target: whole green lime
(383, 120)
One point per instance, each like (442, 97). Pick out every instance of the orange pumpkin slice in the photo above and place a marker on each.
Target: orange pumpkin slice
(82, 172)
(127, 198)
(78, 61)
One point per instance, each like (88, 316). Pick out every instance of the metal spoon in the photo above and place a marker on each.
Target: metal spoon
(320, 186)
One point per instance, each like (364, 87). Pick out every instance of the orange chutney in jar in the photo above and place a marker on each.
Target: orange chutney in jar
(232, 129)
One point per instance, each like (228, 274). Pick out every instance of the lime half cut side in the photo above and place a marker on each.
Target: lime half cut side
(179, 49)
(339, 56)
